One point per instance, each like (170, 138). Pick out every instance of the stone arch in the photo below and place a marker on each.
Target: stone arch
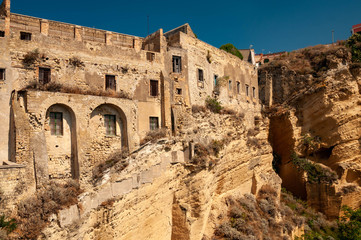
(97, 125)
(62, 148)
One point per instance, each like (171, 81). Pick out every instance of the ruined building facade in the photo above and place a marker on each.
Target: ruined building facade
(72, 95)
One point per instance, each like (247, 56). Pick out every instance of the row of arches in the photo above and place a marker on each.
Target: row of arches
(104, 128)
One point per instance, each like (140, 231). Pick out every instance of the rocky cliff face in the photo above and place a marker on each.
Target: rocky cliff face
(313, 100)
(170, 195)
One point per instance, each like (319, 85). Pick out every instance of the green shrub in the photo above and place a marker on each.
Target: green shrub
(315, 173)
(213, 104)
(232, 50)
(349, 225)
(8, 225)
(354, 43)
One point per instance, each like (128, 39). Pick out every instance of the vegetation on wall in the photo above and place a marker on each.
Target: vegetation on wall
(230, 48)
(57, 87)
(31, 57)
(76, 62)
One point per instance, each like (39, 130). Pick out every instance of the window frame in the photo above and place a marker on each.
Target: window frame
(25, 36)
(153, 120)
(177, 65)
(110, 124)
(254, 92)
(42, 71)
(247, 90)
(179, 91)
(2, 74)
(200, 75)
(53, 123)
(230, 85)
(153, 92)
(238, 87)
(110, 82)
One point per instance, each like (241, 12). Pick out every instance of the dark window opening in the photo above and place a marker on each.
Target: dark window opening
(177, 64)
(25, 36)
(179, 91)
(254, 92)
(215, 80)
(247, 90)
(56, 123)
(153, 88)
(2, 34)
(238, 87)
(150, 56)
(2, 74)
(200, 75)
(44, 75)
(110, 82)
(153, 123)
(230, 84)
(109, 122)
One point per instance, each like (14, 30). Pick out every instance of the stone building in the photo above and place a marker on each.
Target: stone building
(71, 95)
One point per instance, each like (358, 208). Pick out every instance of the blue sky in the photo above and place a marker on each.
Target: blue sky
(270, 26)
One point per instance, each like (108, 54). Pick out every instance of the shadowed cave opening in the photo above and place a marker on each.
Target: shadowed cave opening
(282, 141)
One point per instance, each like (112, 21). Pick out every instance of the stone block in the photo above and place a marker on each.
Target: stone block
(104, 194)
(88, 203)
(68, 216)
(156, 170)
(177, 157)
(123, 187)
(146, 176)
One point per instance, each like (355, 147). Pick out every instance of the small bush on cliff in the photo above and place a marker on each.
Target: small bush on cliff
(354, 43)
(315, 173)
(6, 226)
(350, 224)
(213, 104)
(154, 135)
(34, 212)
(117, 159)
(230, 48)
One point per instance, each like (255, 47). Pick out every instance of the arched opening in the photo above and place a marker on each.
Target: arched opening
(108, 125)
(61, 142)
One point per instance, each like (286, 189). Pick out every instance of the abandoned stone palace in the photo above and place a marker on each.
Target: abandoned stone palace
(71, 95)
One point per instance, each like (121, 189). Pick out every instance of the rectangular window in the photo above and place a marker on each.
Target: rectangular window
(247, 90)
(230, 84)
(44, 75)
(110, 82)
(25, 36)
(2, 34)
(109, 122)
(56, 123)
(153, 123)
(215, 80)
(238, 87)
(153, 88)
(254, 92)
(179, 91)
(150, 56)
(2, 74)
(200, 75)
(177, 64)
